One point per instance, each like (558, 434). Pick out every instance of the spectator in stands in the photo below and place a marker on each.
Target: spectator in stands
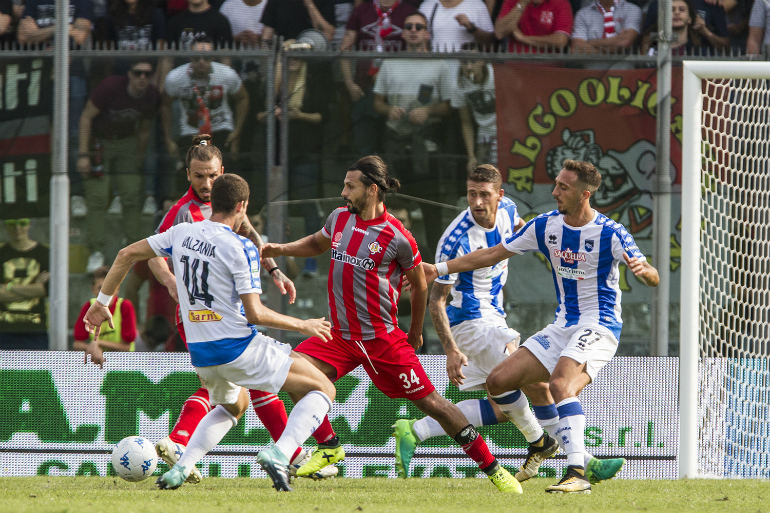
(759, 28)
(6, 21)
(708, 30)
(534, 25)
(606, 26)
(411, 95)
(473, 94)
(135, 25)
(118, 338)
(117, 118)
(23, 289)
(244, 16)
(373, 27)
(173, 7)
(205, 90)
(738, 13)
(200, 20)
(287, 18)
(37, 24)
(454, 22)
(306, 109)
(685, 40)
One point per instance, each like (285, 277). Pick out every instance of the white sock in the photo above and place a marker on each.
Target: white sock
(210, 431)
(572, 425)
(516, 407)
(548, 417)
(304, 419)
(478, 412)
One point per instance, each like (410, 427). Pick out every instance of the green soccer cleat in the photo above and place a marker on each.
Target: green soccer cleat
(323, 456)
(406, 443)
(572, 482)
(535, 458)
(172, 479)
(505, 482)
(602, 470)
(277, 467)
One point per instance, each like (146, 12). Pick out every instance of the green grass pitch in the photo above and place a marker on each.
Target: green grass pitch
(374, 495)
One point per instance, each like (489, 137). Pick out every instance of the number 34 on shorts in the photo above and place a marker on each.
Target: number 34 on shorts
(410, 380)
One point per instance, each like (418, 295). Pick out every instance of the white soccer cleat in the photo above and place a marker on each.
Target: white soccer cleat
(170, 452)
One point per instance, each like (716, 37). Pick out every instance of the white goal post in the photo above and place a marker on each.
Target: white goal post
(724, 382)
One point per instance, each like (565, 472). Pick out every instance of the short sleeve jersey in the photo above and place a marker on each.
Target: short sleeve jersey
(222, 82)
(214, 267)
(368, 259)
(476, 294)
(480, 98)
(189, 209)
(584, 263)
(548, 17)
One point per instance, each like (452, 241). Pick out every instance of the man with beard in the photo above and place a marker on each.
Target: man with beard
(584, 248)
(370, 253)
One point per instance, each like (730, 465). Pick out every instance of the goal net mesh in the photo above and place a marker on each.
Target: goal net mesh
(734, 328)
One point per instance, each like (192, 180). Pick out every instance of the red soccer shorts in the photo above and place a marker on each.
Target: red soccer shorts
(389, 361)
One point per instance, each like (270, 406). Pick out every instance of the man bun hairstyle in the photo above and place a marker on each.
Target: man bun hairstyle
(202, 150)
(587, 174)
(486, 173)
(375, 171)
(228, 190)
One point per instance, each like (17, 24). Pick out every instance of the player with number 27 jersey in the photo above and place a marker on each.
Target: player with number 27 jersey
(217, 266)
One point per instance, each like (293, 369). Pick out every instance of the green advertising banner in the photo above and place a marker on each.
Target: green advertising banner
(61, 417)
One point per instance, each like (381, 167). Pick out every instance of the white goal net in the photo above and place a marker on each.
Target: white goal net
(726, 174)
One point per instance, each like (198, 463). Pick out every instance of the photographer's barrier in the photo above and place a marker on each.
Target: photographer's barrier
(61, 417)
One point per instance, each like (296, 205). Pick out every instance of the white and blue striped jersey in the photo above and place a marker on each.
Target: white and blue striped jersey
(214, 266)
(584, 262)
(478, 293)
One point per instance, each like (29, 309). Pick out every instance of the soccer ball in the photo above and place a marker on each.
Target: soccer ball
(134, 458)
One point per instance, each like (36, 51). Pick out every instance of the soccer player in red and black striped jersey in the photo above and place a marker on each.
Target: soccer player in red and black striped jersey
(204, 165)
(371, 252)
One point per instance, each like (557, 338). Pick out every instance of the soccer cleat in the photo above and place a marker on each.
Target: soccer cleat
(277, 467)
(572, 482)
(172, 479)
(406, 443)
(170, 452)
(602, 470)
(504, 481)
(322, 457)
(304, 457)
(535, 457)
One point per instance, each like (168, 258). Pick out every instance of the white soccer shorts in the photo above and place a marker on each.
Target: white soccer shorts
(485, 344)
(264, 365)
(589, 344)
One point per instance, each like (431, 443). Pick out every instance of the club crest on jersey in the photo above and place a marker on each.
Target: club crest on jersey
(569, 256)
(336, 240)
(374, 248)
(204, 316)
(589, 245)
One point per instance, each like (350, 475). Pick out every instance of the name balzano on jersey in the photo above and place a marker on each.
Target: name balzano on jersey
(364, 263)
(202, 247)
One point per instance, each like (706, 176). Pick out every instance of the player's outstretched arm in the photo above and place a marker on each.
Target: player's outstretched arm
(98, 312)
(470, 262)
(642, 269)
(257, 313)
(455, 359)
(310, 246)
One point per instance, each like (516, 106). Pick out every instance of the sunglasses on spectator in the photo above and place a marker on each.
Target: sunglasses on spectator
(12, 223)
(416, 26)
(141, 73)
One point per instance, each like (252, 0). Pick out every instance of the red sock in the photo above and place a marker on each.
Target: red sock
(195, 408)
(272, 412)
(325, 431)
(479, 452)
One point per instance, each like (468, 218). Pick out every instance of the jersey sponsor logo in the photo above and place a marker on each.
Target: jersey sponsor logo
(542, 340)
(204, 316)
(204, 248)
(374, 248)
(570, 273)
(569, 256)
(364, 263)
(589, 245)
(552, 239)
(359, 230)
(254, 268)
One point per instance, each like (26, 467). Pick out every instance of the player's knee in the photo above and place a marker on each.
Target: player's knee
(496, 383)
(560, 389)
(327, 387)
